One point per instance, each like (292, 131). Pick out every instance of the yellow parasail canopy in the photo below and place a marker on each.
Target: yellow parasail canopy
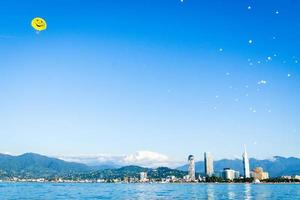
(39, 24)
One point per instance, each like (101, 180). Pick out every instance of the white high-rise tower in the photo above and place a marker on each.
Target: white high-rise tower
(208, 164)
(191, 161)
(246, 164)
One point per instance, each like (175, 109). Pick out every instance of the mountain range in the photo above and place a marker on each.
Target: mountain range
(35, 165)
(30, 165)
(277, 166)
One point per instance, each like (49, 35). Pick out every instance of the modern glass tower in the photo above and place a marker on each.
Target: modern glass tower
(208, 164)
(191, 161)
(246, 164)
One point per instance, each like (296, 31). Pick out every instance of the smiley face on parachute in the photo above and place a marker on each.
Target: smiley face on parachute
(39, 24)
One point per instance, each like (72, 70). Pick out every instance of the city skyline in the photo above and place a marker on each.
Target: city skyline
(150, 80)
(208, 174)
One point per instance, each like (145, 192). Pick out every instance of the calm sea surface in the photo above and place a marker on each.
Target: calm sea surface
(45, 191)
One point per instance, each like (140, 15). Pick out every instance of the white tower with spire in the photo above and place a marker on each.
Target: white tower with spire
(246, 164)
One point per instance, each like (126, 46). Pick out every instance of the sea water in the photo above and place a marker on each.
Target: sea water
(58, 191)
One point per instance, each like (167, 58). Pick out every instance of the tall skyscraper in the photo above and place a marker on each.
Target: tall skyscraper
(246, 164)
(191, 161)
(208, 164)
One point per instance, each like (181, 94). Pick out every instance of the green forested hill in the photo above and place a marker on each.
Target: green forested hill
(35, 165)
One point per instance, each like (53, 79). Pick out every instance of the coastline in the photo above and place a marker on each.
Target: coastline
(150, 183)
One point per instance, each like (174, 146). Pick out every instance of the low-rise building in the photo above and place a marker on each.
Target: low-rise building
(259, 174)
(171, 179)
(186, 178)
(230, 174)
(297, 177)
(143, 177)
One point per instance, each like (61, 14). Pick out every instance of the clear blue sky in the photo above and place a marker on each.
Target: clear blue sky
(173, 77)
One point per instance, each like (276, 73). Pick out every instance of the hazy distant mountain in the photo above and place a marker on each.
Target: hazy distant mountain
(104, 166)
(35, 165)
(277, 166)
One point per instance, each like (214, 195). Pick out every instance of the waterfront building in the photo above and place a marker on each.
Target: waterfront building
(208, 164)
(186, 178)
(218, 174)
(171, 179)
(236, 174)
(297, 177)
(143, 177)
(126, 179)
(259, 174)
(191, 172)
(133, 179)
(246, 164)
(230, 174)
